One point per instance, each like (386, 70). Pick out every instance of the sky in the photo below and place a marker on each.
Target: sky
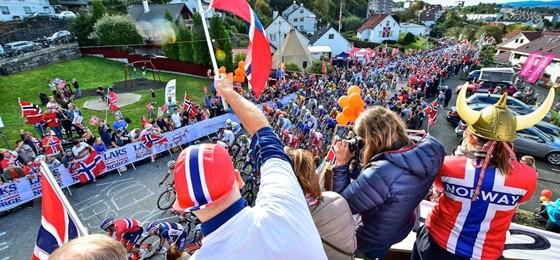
(467, 2)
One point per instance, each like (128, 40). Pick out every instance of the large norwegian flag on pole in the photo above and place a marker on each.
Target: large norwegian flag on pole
(112, 100)
(259, 61)
(29, 109)
(431, 111)
(59, 222)
(90, 167)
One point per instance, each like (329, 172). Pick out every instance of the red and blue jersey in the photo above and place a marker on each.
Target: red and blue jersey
(125, 225)
(170, 231)
(477, 229)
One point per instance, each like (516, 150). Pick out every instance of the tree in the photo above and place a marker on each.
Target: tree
(292, 67)
(82, 27)
(199, 46)
(407, 39)
(240, 57)
(168, 16)
(115, 30)
(317, 66)
(99, 10)
(556, 25)
(116, 6)
(519, 27)
(262, 9)
(221, 43)
(487, 56)
(184, 42)
(453, 32)
(351, 23)
(321, 7)
(495, 31)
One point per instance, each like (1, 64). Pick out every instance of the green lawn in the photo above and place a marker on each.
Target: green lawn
(90, 72)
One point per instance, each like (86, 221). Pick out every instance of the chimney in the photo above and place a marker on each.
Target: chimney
(146, 7)
(274, 15)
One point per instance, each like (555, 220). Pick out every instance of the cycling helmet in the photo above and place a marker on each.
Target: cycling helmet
(320, 106)
(280, 116)
(286, 132)
(228, 122)
(171, 164)
(243, 137)
(107, 223)
(152, 226)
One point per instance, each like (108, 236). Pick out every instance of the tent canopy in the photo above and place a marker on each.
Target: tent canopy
(293, 51)
(343, 56)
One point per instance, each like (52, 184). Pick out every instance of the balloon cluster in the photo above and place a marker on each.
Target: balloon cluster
(239, 72)
(352, 106)
(546, 194)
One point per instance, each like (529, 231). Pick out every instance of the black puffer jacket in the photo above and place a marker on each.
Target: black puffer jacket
(388, 190)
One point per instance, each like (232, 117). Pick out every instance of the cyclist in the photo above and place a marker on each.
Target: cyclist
(286, 123)
(233, 126)
(227, 136)
(316, 140)
(290, 139)
(173, 233)
(127, 232)
(216, 141)
(244, 142)
(170, 167)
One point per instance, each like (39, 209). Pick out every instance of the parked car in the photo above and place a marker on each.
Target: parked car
(39, 16)
(473, 76)
(20, 47)
(66, 15)
(153, 56)
(511, 102)
(61, 36)
(488, 87)
(534, 141)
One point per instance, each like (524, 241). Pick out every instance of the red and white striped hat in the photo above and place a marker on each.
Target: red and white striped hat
(204, 175)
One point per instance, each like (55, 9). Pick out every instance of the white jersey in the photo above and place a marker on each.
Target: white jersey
(229, 137)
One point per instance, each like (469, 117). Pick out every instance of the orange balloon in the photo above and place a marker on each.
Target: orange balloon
(342, 119)
(355, 100)
(222, 70)
(352, 118)
(352, 90)
(343, 101)
(241, 64)
(349, 111)
(360, 105)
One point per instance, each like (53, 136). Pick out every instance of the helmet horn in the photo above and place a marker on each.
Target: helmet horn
(529, 120)
(465, 112)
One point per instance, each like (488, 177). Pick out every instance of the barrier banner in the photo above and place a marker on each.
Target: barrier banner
(116, 157)
(528, 65)
(538, 70)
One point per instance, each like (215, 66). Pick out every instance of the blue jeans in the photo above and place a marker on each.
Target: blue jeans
(40, 129)
(57, 132)
(378, 253)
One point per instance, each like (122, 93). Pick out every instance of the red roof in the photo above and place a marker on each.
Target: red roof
(372, 22)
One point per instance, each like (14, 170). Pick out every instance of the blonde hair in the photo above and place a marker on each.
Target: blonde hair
(381, 128)
(304, 168)
(529, 160)
(91, 247)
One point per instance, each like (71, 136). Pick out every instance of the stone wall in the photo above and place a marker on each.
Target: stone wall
(34, 30)
(43, 57)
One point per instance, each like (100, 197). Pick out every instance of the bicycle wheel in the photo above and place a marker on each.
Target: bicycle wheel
(149, 244)
(166, 200)
(249, 197)
(249, 185)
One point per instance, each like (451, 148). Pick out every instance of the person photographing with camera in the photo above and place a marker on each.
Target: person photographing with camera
(397, 173)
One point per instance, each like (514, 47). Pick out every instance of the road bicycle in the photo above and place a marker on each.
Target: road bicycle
(167, 198)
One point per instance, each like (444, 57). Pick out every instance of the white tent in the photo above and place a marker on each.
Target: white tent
(293, 51)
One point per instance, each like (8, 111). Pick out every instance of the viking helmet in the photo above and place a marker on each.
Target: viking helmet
(497, 122)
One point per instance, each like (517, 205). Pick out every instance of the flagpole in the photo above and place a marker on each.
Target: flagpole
(82, 230)
(107, 108)
(210, 48)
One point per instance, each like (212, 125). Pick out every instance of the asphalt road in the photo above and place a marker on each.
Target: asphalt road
(134, 195)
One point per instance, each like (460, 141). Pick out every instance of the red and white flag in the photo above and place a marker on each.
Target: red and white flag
(331, 155)
(151, 139)
(89, 168)
(59, 223)
(113, 100)
(94, 120)
(29, 109)
(431, 111)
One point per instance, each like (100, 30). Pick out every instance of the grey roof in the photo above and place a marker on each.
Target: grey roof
(319, 33)
(546, 45)
(503, 57)
(157, 11)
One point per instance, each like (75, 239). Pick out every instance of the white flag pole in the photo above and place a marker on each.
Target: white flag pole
(82, 231)
(210, 48)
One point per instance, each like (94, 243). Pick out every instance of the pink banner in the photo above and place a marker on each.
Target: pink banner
(528, 65)
(540, 67)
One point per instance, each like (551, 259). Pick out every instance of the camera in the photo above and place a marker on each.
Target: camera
(355, 143)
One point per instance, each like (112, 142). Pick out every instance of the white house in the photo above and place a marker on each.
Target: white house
(279, 29)
(549, 43)
(379, 28)
(516, 39)
(193, 7)
(328, 36)
(301, 18)
(416, 29)
(17, 10)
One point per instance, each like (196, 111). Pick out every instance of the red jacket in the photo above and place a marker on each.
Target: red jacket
(51, 119)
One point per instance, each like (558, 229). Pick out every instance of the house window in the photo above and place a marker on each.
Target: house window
(331, 36)
(387, 23)
(27, 10)
(46, 9)
(301, 11)
(301, 19)
(516, 40)
(4, 10)
(301, 28)
(194, 10)
(521, 41)
(516, 56)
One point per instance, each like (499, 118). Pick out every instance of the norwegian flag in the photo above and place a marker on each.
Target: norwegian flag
(187, 104)
(35, 119)
(29, 109)
(164, 108)
(151, 139)
(94, 120)
(331, 155)
(57, 227)
(113, 100)
(259, 61)
(89, 168)
(431, 111)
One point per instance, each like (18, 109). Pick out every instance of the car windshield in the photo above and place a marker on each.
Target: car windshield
(549, 136)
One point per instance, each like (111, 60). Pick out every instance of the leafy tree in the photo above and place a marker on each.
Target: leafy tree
(115, 30)
(518, 26)
(240, 57)
(82, 27)
(99, 10)
(321, 7)
(199, 46)
(317, 66)
(454, 32)
(407, 39)
(487, 56)
(468, 33)
(184, 42)
(168, 16)
(556, 25)
(495, 31)
(293, 67)
(222, 43)
(262, 8)
(351, 23)
(116, 6)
